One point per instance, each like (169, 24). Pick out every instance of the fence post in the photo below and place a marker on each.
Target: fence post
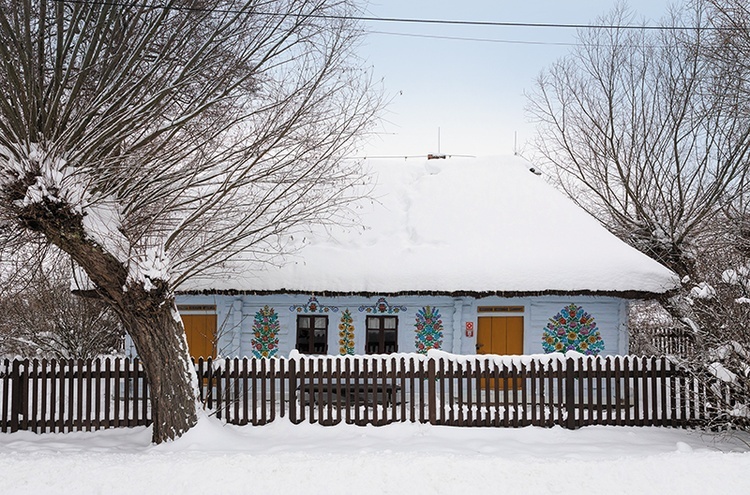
(431, 392)
(17, 401)
(292, 390)
(570, 395)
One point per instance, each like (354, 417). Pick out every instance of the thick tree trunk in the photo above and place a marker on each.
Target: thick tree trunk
(159, 338)
(150, 316)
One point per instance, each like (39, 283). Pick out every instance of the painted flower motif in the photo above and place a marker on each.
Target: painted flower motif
(265, 330)
(346, 334)
(429, 330)
(572, 329)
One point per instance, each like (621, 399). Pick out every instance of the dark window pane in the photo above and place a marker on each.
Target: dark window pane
(312, 334)
(303, 340)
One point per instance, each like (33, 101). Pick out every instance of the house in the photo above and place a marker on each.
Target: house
(464, 255)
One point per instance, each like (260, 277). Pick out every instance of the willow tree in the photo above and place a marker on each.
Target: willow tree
(154, 141)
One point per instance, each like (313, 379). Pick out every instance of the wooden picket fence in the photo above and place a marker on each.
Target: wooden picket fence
(502, 391)
(60, 395)
(671, 341)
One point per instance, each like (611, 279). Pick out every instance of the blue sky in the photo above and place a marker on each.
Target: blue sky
(473, 91)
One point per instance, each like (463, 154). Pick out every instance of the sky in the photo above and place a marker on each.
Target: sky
(471, 93)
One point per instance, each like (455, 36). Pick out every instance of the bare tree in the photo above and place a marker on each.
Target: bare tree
(649, 131)
(154, 142)
(639, 137)
(43, 317)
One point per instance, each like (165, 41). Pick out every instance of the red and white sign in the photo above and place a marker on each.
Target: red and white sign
(469, 328)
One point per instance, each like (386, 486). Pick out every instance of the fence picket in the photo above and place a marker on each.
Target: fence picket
(34, 376)
(272, 391)
(52, 393)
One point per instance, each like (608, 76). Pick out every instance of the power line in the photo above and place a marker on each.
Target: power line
(512, 42)
(464, 38)
(404, 20)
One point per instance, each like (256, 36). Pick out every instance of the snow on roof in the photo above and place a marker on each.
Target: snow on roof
(454, 226)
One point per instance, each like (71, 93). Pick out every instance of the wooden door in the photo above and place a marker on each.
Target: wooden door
(500, 335)
(200, 331)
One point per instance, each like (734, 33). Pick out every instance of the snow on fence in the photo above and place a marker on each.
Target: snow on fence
(442, 389)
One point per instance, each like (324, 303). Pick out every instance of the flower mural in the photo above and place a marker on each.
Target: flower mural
(429, 328)
(572, 329)
(265, 343)
(346, 334)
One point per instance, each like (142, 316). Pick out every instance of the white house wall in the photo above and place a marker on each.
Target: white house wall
(236, 314)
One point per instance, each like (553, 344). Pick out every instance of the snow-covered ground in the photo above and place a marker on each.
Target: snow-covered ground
(401, 458)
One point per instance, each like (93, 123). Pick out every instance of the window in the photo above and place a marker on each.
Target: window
(312, 334)
(382, 335)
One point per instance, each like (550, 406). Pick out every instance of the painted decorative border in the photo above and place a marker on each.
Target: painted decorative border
(382, 306)
(313, 306)
(572, 329)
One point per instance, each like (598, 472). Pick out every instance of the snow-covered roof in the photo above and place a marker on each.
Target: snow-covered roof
(461, 225)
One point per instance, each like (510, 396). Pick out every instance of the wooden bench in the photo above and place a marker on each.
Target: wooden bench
(357, 394)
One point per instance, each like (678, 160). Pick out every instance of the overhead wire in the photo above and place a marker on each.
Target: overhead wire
(404, 20)
(468, 38)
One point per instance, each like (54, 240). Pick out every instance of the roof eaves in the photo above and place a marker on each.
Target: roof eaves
(629, 294)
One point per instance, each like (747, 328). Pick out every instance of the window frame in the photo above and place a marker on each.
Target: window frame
(381, 331)
(311, 339)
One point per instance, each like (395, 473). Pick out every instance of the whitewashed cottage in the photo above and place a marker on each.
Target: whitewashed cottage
(464, 255)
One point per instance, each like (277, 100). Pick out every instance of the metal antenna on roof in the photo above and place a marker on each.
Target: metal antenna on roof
(438, 140)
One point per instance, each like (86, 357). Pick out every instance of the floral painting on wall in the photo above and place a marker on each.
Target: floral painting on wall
(265, 341)
(572, 329)
(429, 328)
(346, 334)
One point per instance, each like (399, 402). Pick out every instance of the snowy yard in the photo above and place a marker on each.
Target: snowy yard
(400, 458)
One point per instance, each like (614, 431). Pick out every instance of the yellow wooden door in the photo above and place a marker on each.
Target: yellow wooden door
(500, 335)
(200, 331)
